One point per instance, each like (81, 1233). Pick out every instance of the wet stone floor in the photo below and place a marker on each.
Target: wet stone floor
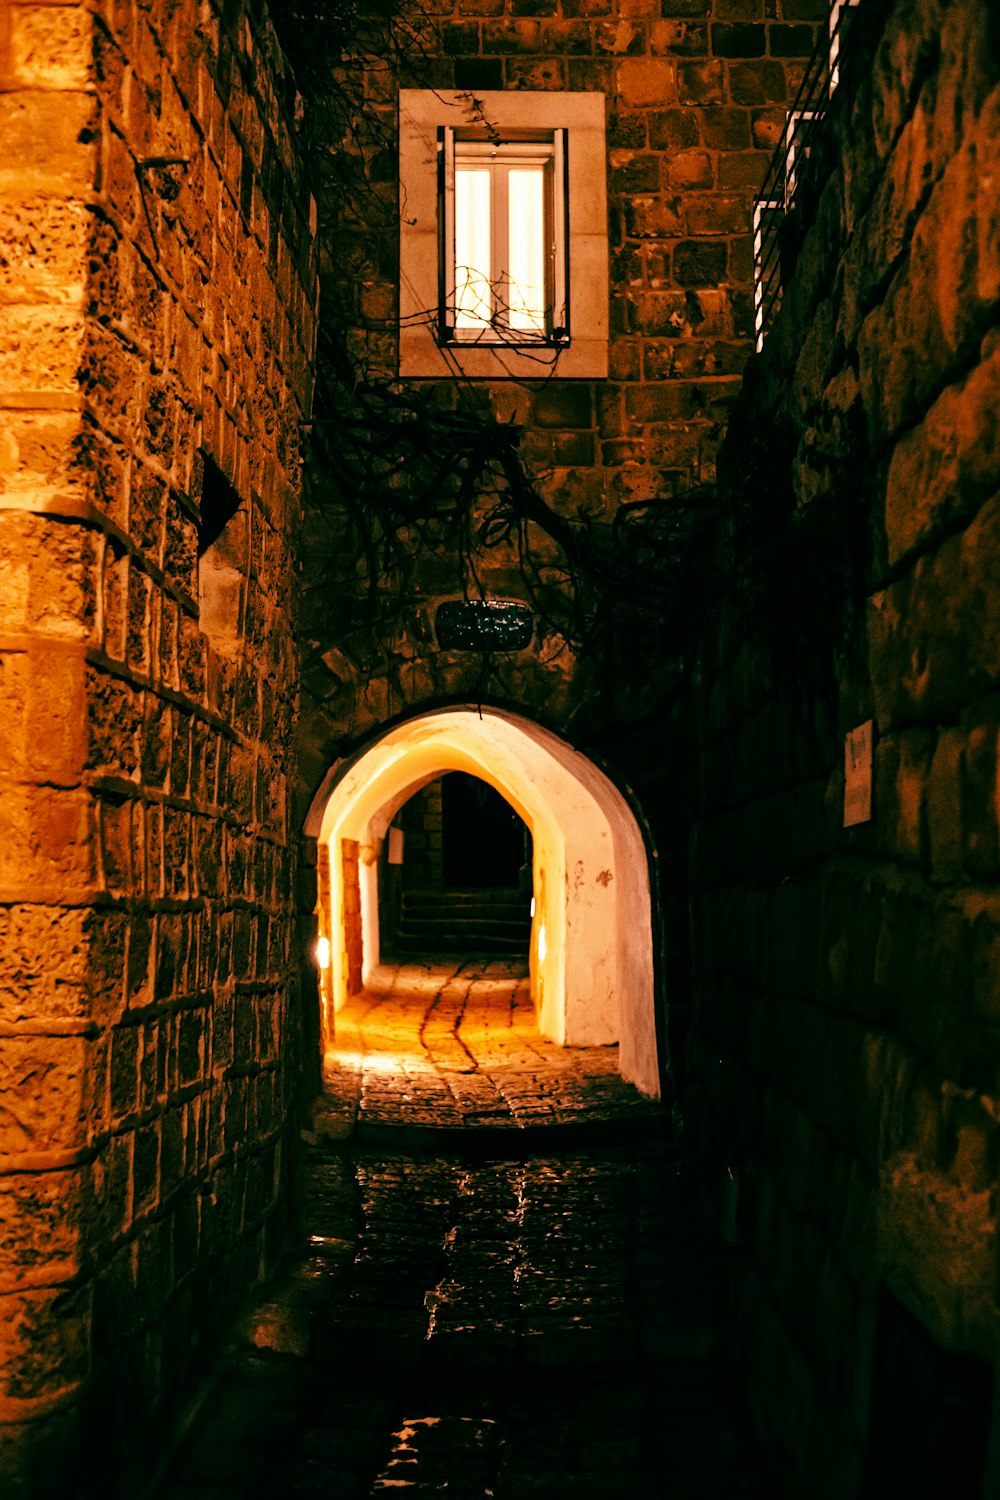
(496, 1289)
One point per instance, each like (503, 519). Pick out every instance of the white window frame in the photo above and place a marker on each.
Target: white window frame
(575, 343)
(499, 159)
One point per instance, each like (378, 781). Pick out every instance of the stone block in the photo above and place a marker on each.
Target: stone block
(654, 218)
(700, 262)
(902, 792)
(912, 29)
(543, 73)
(725, 128)
(672, 127)
(45, 963)
(947, 463)
(567, 405)
(925, 657)
(55, 335)
(124, 1076)
(980, 802)
(42, 1214)
(592, 75)
(679, 38)
(518, 35)
(693, 168)
(43, 1094)
(632, 172)
(623, 37)
(767, 127)
(674, 401)
(758, 82)
(50, 137)
(47, 843)
(46, 240)
(935, 308)
(791, 41)
(44, 1349)
(738, 39)
(944, 812)
(50, 49)
(702, 83)
(646, 82)
(717, 213)
(116, 839)
(939, 1239)
(741, 169)
(846, 950)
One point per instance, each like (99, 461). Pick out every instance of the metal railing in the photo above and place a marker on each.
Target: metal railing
(784, 174)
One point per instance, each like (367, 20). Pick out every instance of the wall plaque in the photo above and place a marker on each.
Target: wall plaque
(483, 625)
(858, 775)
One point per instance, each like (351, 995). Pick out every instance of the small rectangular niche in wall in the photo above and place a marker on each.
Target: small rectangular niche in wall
(223, 546)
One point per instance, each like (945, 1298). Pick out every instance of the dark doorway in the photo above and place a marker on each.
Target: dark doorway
(485, 845)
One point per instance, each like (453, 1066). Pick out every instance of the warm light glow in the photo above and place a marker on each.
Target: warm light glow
(532, 906)
(323, 952)
(473, 269)
(526, 248)
(500, 237)
(589, 870)
(376, 1062)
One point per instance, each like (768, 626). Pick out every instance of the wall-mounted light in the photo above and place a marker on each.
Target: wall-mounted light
(323, 952)
(532, 906)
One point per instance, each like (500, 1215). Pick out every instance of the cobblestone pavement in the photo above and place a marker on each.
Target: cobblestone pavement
(497, 1291)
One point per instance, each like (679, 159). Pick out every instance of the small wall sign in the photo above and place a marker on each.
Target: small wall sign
(858, 774)
(483, 625)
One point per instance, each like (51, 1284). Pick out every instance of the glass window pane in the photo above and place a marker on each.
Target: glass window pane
(526, 231)
(473, 302)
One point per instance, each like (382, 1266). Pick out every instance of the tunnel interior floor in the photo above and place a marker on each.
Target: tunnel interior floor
(495, 1291)
(454, 1046)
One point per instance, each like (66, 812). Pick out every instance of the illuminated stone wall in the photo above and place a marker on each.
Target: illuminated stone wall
(847, 1057)
(158, 285)
(696, 92)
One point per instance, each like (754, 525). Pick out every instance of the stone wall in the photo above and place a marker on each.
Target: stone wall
(847, 1054)
(696, 93)
(159, 292)
(422, 822)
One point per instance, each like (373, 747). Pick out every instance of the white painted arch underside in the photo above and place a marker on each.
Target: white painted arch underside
(591, 942)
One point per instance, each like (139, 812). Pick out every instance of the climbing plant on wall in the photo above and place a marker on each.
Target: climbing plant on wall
(410, 478)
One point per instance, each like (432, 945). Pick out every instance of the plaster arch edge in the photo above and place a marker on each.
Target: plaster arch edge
(599, 872)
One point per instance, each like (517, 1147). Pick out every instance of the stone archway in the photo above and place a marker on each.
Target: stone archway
(591, 955)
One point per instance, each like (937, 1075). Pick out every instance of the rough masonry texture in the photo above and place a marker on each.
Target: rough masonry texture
(695, 93)
(847, 1055)
(164, 617)
(159, 291)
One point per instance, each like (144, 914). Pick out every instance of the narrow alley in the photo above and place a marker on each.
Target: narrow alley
(497, 1289)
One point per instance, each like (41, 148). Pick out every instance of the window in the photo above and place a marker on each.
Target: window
(503, 234)
(502, 219)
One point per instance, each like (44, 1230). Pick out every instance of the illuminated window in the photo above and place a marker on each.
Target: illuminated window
(503, 239)
(503, 231)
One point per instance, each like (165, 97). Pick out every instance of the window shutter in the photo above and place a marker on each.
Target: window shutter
(560, 239)
(446, 233)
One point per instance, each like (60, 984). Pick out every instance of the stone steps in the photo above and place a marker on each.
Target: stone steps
(465, 921)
